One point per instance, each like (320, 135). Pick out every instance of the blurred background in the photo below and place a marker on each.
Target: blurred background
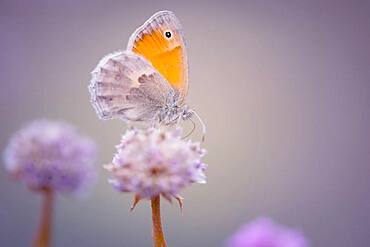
(283, 86)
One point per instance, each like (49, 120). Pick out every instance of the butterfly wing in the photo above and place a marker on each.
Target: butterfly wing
(126, 86)
(161, 42)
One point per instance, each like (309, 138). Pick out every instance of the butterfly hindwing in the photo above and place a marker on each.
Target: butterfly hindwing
(126, 86)
(161, 42)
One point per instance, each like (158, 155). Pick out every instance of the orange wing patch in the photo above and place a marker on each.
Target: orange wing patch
(166, 54)
(166, 60)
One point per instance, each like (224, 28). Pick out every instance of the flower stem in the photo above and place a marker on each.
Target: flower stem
(158, 236)
(43, 235)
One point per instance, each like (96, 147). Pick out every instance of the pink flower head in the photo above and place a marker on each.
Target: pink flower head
(265, 233)
(155, 161)
(51, 155)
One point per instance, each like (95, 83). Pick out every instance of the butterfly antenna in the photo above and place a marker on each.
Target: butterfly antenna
(192, 130)
(202, 123)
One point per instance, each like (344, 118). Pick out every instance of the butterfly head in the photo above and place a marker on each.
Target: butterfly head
(173, 112)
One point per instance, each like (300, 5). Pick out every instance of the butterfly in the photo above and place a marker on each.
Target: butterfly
(148, 82)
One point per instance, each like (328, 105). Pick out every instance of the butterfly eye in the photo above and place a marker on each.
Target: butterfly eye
(168, 34)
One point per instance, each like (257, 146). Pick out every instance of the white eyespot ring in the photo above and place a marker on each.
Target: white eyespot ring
(168, 34)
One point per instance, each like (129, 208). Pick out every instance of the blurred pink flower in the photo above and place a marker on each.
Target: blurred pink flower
(51, 155)
(156, 162)
(264, 232)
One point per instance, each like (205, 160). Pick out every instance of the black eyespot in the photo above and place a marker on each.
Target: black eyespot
(168, 34)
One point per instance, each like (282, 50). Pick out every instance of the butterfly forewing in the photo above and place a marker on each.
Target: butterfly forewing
(160, 41)
(126, 86)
